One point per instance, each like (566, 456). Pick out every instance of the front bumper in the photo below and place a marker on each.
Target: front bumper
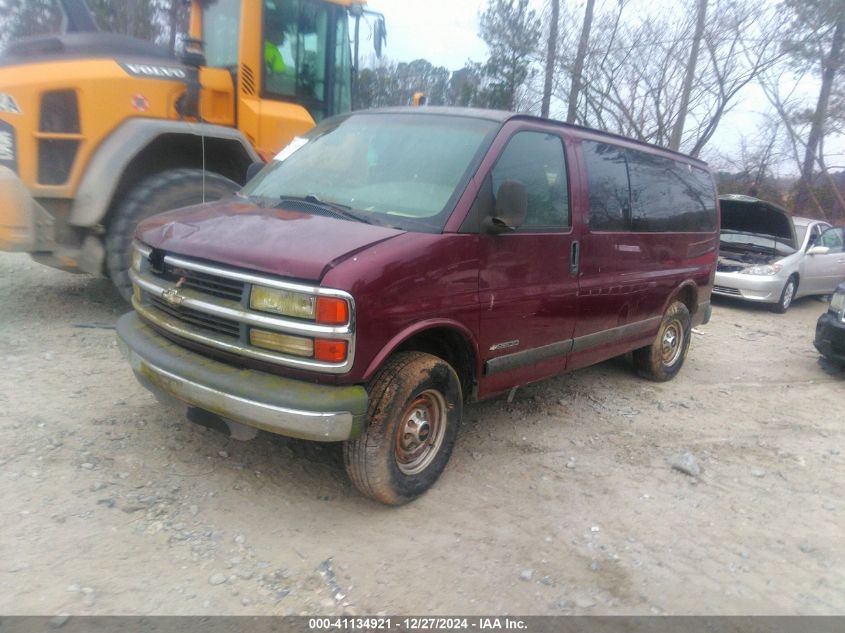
(25, 225)
(762, 288)
(830, 337)
(258, 399)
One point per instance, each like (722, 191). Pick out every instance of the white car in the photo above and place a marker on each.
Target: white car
(768, 256)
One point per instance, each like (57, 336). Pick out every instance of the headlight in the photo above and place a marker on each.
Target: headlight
(766, 269)
(323, 310)
(137, 258)
(285, 343)
(292, 304)
(837, 303)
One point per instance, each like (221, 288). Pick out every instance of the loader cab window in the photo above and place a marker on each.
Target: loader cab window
(306, 57)
(221, 28)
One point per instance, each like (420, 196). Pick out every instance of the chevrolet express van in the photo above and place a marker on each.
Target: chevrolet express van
(393, 265)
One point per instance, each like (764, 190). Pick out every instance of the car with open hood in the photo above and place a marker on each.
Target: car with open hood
(768, 256)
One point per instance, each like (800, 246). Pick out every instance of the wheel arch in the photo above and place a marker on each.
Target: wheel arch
(449, 340)
(142, 147)
(686, 293)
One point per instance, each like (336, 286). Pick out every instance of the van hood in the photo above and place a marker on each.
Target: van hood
(276, 241)
(750, 215)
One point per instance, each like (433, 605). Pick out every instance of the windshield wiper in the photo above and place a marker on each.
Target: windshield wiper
(342, 210)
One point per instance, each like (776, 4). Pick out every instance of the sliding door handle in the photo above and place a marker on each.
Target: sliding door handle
(574, 258)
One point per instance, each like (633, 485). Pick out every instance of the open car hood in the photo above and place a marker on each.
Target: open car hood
(750, 215)
(277, 241)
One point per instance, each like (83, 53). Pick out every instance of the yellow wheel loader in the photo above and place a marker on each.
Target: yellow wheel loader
(99, 130)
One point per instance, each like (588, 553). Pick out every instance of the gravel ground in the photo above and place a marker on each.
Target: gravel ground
(576, 497)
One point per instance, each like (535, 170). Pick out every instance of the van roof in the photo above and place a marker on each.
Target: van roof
(503, 116)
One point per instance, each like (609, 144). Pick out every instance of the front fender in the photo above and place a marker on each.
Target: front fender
(421, 326)
(104, 172)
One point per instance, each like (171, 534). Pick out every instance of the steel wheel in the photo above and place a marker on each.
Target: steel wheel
(663, 359)
(672, 342)
(415, 404)
(423, 426)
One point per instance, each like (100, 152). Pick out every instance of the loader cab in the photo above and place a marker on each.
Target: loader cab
(290, 60)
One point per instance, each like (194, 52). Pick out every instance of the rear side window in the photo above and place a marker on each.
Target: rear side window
(607, 180)
(537, 161)
(667, 195)
(638, 191)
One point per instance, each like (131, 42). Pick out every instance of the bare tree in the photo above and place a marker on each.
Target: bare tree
(638, 76)
(818, 41)
(689, 77)
(551, 55)
(575, 85)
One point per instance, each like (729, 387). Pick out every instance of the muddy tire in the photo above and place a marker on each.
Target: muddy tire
(413, 419)
(155, 194)
(787, 295)
(663, 359)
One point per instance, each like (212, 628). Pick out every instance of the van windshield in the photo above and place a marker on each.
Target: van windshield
(401, 170)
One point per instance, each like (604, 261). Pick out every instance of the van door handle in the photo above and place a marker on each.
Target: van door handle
(573, 259)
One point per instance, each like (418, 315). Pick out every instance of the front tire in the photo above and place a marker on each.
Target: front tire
(786, 297)
(413, 419)
(155, 194)
(663, 359)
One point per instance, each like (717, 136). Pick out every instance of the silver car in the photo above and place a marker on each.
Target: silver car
(768, 256)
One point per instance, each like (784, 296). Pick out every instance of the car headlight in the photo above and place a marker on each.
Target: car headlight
(137, 259)
(762, 269)
(299, 305)
(837, 304)
(293, 304)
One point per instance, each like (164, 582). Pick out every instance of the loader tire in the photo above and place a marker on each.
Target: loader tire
(155, 194)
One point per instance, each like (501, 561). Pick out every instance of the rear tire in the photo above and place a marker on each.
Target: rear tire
(413, 419)
(155, 194)
(663, 359)
(787, 295)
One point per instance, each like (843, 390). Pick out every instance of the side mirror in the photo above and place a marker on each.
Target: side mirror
(379, 36)
(253, 169)
(511, 208)
(192, 53)
(818, 250)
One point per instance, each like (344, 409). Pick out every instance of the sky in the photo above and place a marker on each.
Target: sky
(445, 32)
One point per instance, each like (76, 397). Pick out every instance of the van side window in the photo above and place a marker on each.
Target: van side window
(537, 161)
(667, 195)
(607, 181)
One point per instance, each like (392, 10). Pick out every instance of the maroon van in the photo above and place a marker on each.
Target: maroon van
(392, 265)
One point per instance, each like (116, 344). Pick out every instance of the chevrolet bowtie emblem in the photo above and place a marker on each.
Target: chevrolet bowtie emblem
(174, 296)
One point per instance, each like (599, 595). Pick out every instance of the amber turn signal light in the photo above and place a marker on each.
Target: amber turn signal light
(332, 311)
(330, 351)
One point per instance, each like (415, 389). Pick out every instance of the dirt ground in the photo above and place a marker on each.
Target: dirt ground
(560, 502)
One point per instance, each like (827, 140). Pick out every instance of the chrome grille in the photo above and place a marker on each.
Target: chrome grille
(208, 304)
(214, 285)
(198, 319)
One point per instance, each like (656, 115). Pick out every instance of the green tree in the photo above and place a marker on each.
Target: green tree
(512, 33)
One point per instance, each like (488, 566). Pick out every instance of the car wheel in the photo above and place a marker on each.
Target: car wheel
(413, 418)
(663, 359)
(786, 297)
